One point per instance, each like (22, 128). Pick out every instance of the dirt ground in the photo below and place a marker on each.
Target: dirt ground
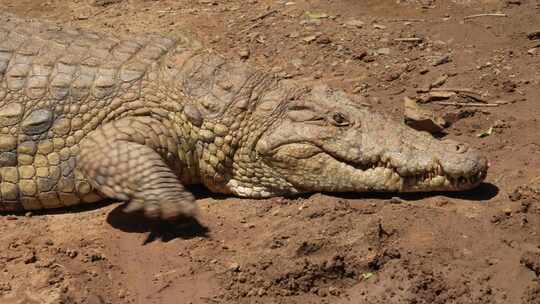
(482, 246)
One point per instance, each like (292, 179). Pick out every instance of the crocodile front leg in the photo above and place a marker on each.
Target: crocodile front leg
(127, 160)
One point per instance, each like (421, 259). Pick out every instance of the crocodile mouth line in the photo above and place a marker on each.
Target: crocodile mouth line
(435, 177)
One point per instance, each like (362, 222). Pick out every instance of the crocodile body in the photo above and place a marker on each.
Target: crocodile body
(86, 116)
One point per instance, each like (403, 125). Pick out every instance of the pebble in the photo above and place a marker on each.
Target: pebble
(383, 51)
(354, 23)
(235, 267)
(396, 200)
(323, 40)
(309, 38)
(439, 81)
(442, 60)
(244, 53)
(122, 293)
(422, 119)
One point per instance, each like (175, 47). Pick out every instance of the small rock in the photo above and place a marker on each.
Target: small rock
(509, 86)
(438, 95)
(354, 23)
(30, 258)
(322, 293)
(534, 35)
(323, 39)
(500, 124)
(439, 81)
(5, 287)
(122, 293)
(383, 51)
(244, 53)
(422, 119)
(234, 267)
(443, 202)
(276, 69)
(94, 257)
(333, 291)
(392, 253)
(83, 16)
(396, 200)
(531, 260)
(498, 217)
(379, 26)
(94, 299)
(105, 2)
(72, 253)
(310, 38)
(360, 54)
(392, 76)
(442, 60)
(452, 117)
(515, 195)
(242, 278)
(294, 35)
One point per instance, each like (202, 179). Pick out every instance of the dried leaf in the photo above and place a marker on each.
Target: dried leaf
(367, 275)
(485, 133)
(314, 15)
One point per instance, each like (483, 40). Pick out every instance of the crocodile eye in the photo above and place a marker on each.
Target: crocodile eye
(339, 119)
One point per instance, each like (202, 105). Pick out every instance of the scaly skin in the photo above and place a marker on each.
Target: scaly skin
(85, 116)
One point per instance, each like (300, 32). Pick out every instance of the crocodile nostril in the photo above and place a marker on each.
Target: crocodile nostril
(461, 148)
(455, 147)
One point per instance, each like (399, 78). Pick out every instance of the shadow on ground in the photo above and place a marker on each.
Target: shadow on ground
(483, 192)
(184, 228)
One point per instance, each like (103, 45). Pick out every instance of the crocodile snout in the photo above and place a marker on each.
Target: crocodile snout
(461, 161)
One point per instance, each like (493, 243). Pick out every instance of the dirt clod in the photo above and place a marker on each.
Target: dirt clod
(422, 119)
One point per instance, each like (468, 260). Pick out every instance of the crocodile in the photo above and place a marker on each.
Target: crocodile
(88, 117)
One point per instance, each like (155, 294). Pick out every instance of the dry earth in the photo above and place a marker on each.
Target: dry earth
(477, 247)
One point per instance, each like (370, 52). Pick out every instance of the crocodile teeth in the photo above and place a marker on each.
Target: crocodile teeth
(435, 177)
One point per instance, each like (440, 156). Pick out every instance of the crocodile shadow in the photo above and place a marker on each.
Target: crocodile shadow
(187, 228)
(63, 210)
(136, 222)
(484, 192)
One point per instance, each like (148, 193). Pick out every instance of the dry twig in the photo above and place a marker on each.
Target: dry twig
(409, 39)
(264, 15)
(463, 92)
(485, 15)
(406, 20)
(466, 104)
(457, 90)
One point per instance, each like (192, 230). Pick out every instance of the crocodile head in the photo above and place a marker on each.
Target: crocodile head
(325, 142)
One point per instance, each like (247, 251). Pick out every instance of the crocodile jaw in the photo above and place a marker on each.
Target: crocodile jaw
(339, 176)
